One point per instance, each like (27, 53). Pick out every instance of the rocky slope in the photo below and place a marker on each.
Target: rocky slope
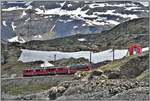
(91, 90)
(120, 36)
(128, 67)
(43, 20)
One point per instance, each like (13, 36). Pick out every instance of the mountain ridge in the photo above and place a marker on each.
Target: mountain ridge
(118, 37)
(21, 19)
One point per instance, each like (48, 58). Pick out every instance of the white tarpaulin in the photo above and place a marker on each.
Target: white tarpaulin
(33, 55)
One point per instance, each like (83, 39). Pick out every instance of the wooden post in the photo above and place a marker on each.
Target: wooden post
(54, 59)
(90, 57)
(113, 53)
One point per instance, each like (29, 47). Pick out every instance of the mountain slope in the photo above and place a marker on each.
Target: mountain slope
(43, 20)
(136, 32)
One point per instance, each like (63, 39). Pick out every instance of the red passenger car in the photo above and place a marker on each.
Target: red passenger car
(59, 70)
(28, 72)
(51, 71)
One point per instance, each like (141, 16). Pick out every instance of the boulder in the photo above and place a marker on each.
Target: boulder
(93, 75)
(80, 74)
(97, 73)
(55, 92)
(114, 75)
(103, 77)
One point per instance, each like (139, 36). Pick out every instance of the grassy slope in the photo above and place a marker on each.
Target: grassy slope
(115, 65)
(25, 89)
(144, 75)
(23, 86)
(126, 66)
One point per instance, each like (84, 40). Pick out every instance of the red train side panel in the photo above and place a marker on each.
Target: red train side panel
(40, 72)
(28, 72)
(60, 70)
(51, 71)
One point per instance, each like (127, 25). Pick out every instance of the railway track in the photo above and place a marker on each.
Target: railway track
(37, 77)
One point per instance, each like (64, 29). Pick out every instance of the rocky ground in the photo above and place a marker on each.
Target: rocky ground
(115, 89)
(104, 89)
(105, 83)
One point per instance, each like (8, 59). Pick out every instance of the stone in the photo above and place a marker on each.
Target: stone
(55, 92)
(114, 75)
(97, 73)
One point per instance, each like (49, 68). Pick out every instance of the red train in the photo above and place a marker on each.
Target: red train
(60, 70)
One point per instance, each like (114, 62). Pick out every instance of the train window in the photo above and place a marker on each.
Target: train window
(60, 68)
(27, 71)
(38, 70)
(50, 69)
(47, 70)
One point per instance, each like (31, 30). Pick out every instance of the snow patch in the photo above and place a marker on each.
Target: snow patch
(74, 13)
(113, 22)
(145, 3)
(39, 11)
(141, 10)
(13, 8)
(23, 14)
(111, 12)
(27, 19)
(29, 7)
(46, 17)
(82, 39)
(65, 21)
(62, 4)
(89, 16)
(4, 23)
(95, 22)
(75, 27)
(97, 5)
(13, 26)
(81, 15)
(17, 39)
(83, 24)
(38, 36)
(69, 5)
(131, 8)
(94, 5)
